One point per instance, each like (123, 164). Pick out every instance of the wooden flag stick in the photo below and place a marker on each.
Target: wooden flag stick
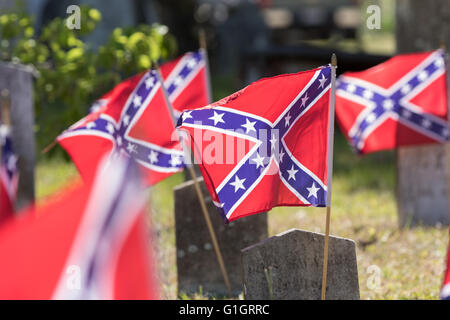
(199, 195)
(325, 254)
(204, 49)
(6, 107)
(49, 147)
(329, 174)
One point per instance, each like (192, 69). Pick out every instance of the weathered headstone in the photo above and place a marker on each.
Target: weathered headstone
(422, 188)
(18, 80)
(197, 264)
(289, 265)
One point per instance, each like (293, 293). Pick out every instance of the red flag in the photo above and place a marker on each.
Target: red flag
(88, 243)
(133, 120)
(400, 102)
(445, 291)
(266, 145)
(186, 80)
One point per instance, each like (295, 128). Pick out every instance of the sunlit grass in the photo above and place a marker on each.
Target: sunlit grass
(52, 175)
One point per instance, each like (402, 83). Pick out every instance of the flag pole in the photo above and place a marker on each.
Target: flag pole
(204, 49)
(329, 174)
(6, 107)
(49, 147)
(199, 193)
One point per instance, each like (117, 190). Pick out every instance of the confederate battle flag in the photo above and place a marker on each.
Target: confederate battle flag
(90, 242)
(400, 102)
(186, 81)
(266, 145)
(133, 120)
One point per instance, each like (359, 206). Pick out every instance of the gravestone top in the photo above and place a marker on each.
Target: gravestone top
(18, 80)
(197, 264)
(288, 266)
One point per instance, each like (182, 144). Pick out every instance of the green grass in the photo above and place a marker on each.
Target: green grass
(411, 261)
(52, 175)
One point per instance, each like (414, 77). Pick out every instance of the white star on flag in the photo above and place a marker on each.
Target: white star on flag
(426, 123)
(149, 82)
(304, 99)
(137, 100)
(287, 119)
(388, 104)
(292, 173)
(238, 183)
(371, 117)
(186, 115)
(423, 75)
(351, 88)
(153, 156)
(405, 89)
(110, 128)
(175, 160)
(217, 118)
(191, 63)
(367, 94)
(90, 125)
(178, 80)
(439, 62)
(132, 148)
(126, 119)
(273, 141)
(249, 125)
(406, 113)
(258, 160)
(11, 162)
(280, 156)
(313, 191)
(322, 81)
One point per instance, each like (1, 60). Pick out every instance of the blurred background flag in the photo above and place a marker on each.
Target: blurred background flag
(186, 81)
(445, 291)
(90, 242)
(9, 175)
(274, 136)
(133, 120)
(400, 102)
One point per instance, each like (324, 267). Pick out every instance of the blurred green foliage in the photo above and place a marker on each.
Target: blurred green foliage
(72, 74)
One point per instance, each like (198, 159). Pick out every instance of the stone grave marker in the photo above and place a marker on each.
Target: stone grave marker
(197, 264)
(288, 266)
(19, 82)
(422, 187)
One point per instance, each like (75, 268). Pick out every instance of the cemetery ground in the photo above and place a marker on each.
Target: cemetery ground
(392, 263)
